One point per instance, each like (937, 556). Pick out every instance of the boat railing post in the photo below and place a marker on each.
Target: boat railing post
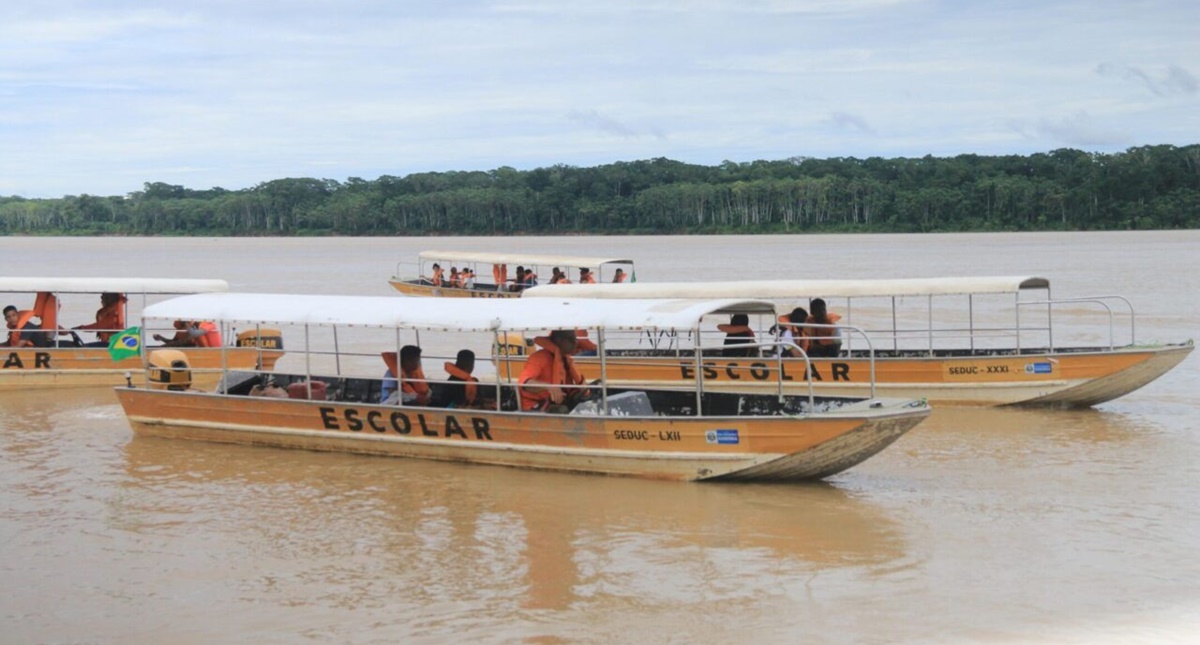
(779, 369)
(698, 358)
(226, 333)
(929, 323)
(971, 321)
(307, 353)
(337, 354)
(602, 350)
(496, 365)
(870, 353)
(895, 328)
(812, 394)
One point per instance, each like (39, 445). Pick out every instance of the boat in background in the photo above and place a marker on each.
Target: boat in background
(491, 270)
(68, 361)
(959, 340)
(657, 433)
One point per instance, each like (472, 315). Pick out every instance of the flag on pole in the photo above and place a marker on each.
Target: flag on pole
(125, 344)
(634, 278)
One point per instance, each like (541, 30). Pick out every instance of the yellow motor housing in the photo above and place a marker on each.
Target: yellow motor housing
(261, 338)
(511, 343)
(169, 370)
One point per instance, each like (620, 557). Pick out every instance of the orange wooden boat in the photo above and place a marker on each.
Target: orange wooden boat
(67, 362)
(495, 273)
(657, 433)
(965, 341)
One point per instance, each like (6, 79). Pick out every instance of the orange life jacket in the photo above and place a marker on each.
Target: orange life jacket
(418, 387)
(211, 336)
(14, 336)
(547, 365)
(798, 335)
(824, 336)
(436, 279)
(45, 307)
(500, 274)
(587, 279)
(620, 277)
(468, 381)
(110, 320)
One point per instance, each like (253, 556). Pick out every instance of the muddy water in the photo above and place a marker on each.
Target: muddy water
(981, 526)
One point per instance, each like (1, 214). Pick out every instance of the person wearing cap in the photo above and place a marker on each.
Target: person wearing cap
(585, 276)
(549, 378)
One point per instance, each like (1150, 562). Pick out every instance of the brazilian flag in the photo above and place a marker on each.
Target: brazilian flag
(125, 344)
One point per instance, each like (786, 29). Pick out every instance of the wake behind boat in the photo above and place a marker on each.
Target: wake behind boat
(43, 350)
(468, 274)
(959, 340)
(660, 433)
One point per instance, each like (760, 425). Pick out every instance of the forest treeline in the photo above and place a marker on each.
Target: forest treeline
(1150, 187)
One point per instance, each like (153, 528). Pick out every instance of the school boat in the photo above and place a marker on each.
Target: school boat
(960, 340)
(492, 272)
(668, 433)
(67, 361)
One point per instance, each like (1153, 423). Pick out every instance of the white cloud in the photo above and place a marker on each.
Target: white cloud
(102, 96)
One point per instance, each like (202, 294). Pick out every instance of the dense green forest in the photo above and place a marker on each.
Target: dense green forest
(1151, 187)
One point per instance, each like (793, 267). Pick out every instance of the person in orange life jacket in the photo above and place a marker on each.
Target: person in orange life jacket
(181, 338)
(110, 319)
(791, 331)
(414, 389)
(549, 378)
(455, 279)
(191, 333)
(738, 332)
(436, 278)
(822, 342)
(619, 276)
(559, 277)
(462, 389)
(585, 276)
(23, 332)
(204, 333)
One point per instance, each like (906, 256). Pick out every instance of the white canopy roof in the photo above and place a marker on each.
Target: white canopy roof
(116, 285)
(514, 259)
(449, 314)
(784, 289)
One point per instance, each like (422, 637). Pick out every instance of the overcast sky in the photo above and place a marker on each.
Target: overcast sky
(101, 96)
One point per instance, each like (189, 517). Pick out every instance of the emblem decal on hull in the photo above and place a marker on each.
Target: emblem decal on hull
(722, 436)
(1038, 368)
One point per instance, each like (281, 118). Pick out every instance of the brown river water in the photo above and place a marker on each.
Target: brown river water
(980, 526)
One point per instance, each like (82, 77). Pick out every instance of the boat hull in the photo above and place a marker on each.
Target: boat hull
(59, 367)
(1060, 379)
(682, 448)
(410, 288)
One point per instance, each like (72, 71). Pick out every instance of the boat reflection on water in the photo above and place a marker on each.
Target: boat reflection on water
(441, 532)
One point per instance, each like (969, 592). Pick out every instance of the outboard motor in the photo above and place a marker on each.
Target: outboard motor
(261, 338)
(169, 370)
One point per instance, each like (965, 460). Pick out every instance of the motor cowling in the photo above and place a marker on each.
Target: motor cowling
(168, 369)
(261, 338)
